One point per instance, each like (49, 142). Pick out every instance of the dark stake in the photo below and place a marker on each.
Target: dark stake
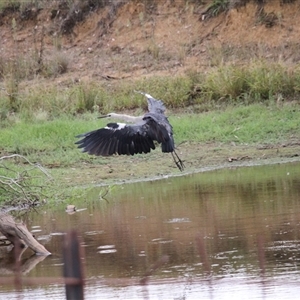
(72, 266)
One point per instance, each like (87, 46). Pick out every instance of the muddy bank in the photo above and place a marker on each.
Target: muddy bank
(196, 157)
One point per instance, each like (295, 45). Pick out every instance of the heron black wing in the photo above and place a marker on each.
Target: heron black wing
(117, 138)
(160, 130)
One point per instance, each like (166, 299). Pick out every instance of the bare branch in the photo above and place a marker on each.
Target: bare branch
(17, 185)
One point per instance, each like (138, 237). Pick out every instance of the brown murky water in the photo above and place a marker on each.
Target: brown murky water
(227, 234)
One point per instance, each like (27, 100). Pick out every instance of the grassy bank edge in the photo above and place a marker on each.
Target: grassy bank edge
(239, 134)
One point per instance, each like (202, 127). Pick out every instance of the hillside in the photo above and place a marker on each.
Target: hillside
(133, 39)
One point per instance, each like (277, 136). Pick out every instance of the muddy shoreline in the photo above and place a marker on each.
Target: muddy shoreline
(157, 165)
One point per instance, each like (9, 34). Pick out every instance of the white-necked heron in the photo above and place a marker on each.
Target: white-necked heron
(130, 139)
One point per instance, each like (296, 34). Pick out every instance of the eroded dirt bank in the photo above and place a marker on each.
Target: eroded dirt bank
(142, 38)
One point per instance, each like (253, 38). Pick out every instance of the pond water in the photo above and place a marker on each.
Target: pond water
(224, 234)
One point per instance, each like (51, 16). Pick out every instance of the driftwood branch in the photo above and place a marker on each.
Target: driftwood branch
(18, 234)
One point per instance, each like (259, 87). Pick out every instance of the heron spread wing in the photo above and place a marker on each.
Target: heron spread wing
(119, 138)
(116, 138)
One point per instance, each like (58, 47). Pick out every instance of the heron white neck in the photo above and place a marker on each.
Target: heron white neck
(125, 118)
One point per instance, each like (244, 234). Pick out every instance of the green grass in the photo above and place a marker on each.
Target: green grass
(251, 124)
(52, 142)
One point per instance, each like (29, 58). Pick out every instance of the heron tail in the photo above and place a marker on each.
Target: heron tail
(167, 146)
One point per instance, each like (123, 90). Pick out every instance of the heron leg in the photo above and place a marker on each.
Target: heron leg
(178, 161)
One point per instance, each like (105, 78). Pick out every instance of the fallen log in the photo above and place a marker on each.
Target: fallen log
(18, 234)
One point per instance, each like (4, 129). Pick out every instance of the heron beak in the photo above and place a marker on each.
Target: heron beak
(104, 116)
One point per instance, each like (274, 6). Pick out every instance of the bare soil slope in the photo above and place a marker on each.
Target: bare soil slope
(139, 39)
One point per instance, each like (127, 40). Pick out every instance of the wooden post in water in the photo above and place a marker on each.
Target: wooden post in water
(73, 266)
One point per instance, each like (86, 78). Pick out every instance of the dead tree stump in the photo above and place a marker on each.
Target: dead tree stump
(18, 234)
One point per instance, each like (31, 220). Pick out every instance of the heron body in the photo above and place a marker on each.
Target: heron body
(136, 136)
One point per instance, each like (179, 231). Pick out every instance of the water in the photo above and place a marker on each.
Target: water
(227, 234)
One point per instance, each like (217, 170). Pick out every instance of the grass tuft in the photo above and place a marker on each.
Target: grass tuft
(259, 81)
(56, 64)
